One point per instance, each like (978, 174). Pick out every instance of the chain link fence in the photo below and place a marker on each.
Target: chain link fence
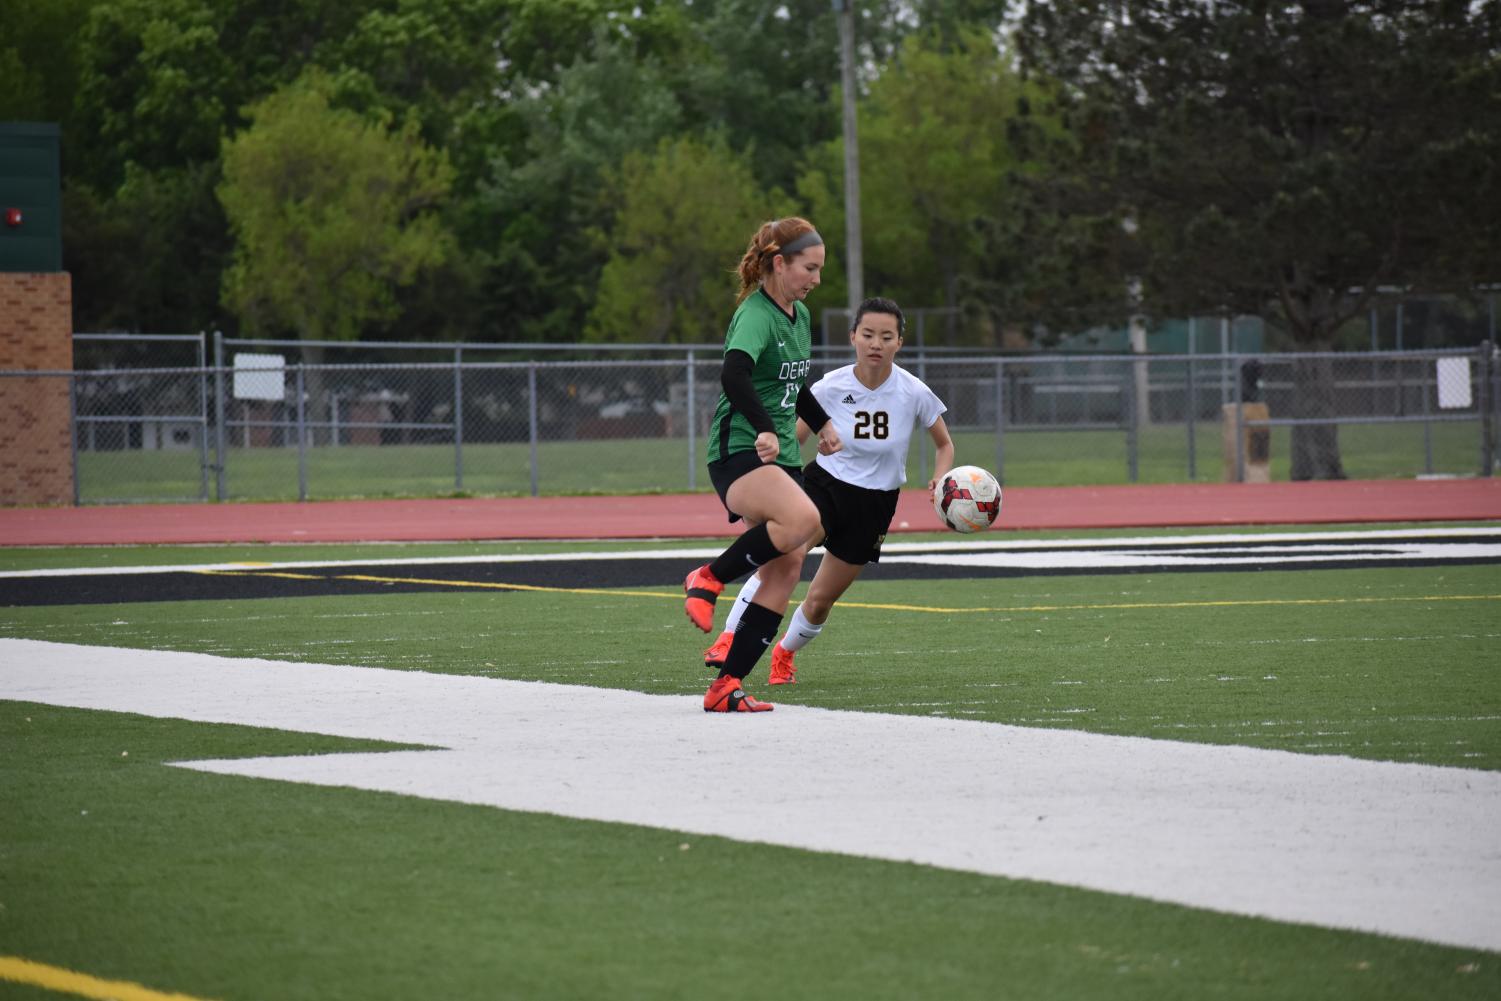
(265, 423)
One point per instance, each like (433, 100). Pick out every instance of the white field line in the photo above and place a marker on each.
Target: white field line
(961, 544)
(1399, 849)
(1168, 558)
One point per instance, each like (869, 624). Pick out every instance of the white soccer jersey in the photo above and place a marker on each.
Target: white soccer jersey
(874, 424)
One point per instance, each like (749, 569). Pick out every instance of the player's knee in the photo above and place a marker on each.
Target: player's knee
(805, 523)
(793, 528)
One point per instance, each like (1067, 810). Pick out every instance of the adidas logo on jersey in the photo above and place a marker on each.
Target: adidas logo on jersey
(848, 398)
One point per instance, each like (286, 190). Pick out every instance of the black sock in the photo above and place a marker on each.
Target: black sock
(753, 548)
(757, 630)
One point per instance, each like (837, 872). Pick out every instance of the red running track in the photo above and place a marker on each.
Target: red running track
(700, 515)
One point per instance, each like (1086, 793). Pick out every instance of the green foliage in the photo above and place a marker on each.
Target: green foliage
(686, 213)
(1285, 160)
(330, 212)
(536, 104)
(144, 237)
(422, 59)
(21, 97)
(148, 257)
(152, 88)
(39, 58)
(159, 85)
(939, 159)
(1275, 158)
(546, 204)
(1271, 159)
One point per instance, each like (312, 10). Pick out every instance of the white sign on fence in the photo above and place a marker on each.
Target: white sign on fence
(1454, 384)
(254, 382)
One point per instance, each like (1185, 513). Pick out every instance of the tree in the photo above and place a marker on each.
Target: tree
(38, 58)
(160, 82)
(686, 212)
(152, 88)
(330, 212)
(1286, 159)
(540, 216)
(940, 159)
(149, 256)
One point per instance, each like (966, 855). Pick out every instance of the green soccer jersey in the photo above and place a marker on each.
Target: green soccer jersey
(781, 347)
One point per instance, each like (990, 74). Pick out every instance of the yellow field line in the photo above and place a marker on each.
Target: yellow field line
(262, 573)
(934, 609)
(55, 978)
(495, 585)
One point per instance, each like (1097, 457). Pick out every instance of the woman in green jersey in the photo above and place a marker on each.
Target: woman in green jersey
(754, 461)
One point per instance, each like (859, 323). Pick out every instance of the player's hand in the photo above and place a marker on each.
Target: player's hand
(768, 446)
(828, 440)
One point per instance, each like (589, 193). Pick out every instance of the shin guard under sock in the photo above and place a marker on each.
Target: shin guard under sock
(753, 548)
(742, 601)
(758, 627)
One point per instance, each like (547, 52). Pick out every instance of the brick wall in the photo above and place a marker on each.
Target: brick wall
(36, 333)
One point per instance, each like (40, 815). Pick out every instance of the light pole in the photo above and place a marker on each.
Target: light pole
(853, 257)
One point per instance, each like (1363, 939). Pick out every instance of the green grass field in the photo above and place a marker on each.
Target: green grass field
(227, 887)
(1032, 458)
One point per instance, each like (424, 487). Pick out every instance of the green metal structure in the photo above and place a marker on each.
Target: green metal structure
(31, 218)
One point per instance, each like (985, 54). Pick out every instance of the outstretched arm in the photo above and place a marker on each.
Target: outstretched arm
(943, 457)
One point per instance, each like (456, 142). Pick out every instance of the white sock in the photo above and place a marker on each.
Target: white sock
(800, 632)
(747, 592)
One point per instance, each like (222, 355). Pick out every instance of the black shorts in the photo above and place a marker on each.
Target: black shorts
(723, 472)
(855, 519)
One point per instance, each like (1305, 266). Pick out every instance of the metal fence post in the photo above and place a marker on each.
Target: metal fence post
(202, 419)
(1133, 404)
(691, 418)
(219, 491)
(1493, 392)
(1240, 416)
(73, 435)
(1000, 421)
(301, 439)
(458, 417)
(1488, 403)
(531, 407)
(1192, 406)
(1427, 425)
(1224, 356)
(922, 373)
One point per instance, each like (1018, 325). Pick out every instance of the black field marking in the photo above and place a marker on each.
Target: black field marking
(667, 572)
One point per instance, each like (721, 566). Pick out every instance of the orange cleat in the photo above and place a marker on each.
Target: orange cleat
(726, 696)
(702, 588)
(714, 656)
(782, 671)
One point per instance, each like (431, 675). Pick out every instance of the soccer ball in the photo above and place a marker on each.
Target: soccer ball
(967, 499)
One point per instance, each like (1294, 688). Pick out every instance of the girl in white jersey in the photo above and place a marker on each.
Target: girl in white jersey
(874, 404)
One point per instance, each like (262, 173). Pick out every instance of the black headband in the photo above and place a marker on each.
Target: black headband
(808, 239)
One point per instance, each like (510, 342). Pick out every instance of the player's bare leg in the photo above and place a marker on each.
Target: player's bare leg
(833, 578)
(788, 518)
(782, 518)
(715, 656)
(769, 496)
